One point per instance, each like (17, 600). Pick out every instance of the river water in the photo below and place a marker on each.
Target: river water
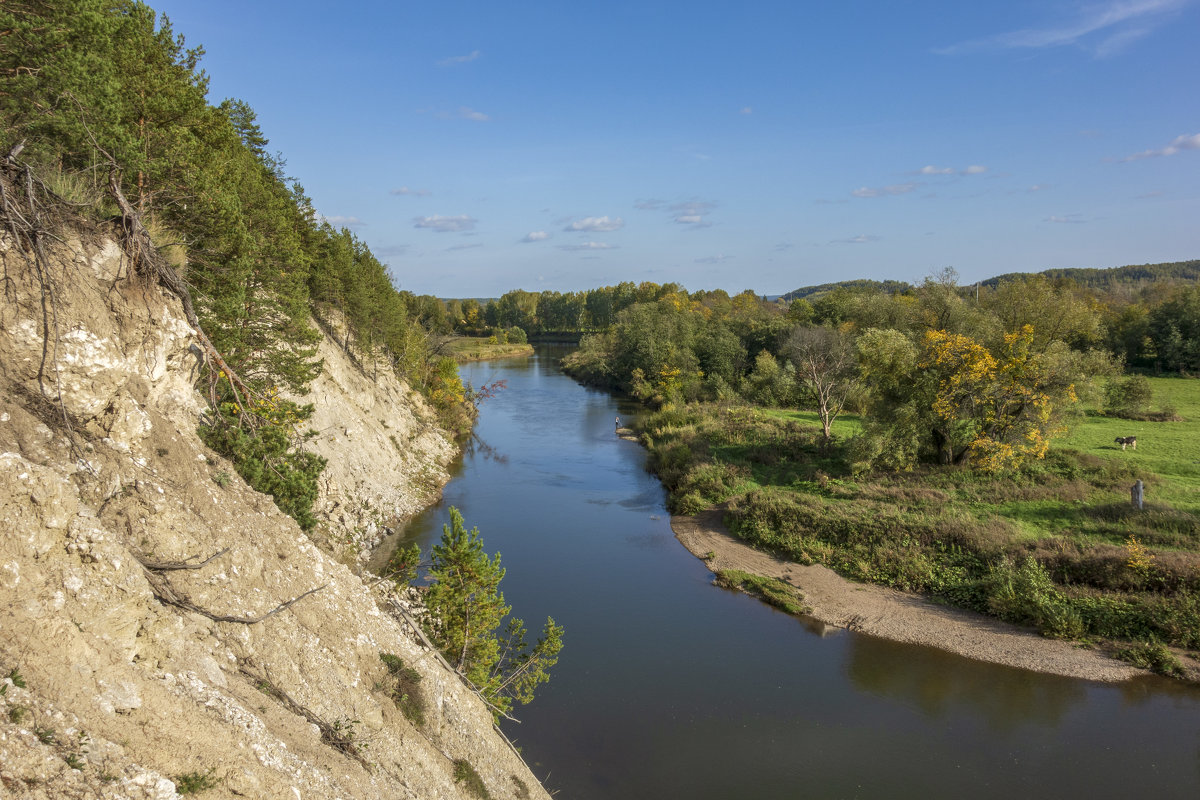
(671, 687)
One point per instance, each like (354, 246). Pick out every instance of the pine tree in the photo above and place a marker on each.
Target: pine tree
(466, 608)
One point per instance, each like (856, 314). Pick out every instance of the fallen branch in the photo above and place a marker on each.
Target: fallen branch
(165, 566)
(162, 589)
(334, 735)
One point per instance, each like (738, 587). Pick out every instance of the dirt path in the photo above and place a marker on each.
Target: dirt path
(896, 615)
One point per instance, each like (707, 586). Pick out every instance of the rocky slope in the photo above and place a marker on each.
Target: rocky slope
(125, 678)
(386, 455)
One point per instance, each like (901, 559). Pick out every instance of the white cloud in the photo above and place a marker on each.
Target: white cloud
(454, 247)
(1177, 145)
(596, 224)
(442, 224)
(862, 238)
(587, 246)
(1069, 219)
(342, 222)
(649, 205)
(464, 113)
(1119, 22)
(404, 190)
(1038, 187)
(474, 116)
(468, 58)
(536, 236)
(692, 212)
(974, 169)
(717, 259)
(884, 191)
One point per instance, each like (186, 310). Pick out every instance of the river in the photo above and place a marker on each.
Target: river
(671, 687)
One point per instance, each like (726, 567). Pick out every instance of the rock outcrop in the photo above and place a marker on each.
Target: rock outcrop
(386, 454)
(122, 677)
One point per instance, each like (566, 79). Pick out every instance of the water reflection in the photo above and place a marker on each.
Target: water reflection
(940, 683)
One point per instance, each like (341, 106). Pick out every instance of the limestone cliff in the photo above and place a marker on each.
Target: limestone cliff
(121, 677)
(387, 456)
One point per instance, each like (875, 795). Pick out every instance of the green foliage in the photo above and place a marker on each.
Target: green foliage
(1153, 656)
(267, 452)
(1027, 595)
(773, 591)
(465, 774)
(466, 610)
(403, 563)
(15, 676)
(1128, 395)
(195, 782)
(405, 689)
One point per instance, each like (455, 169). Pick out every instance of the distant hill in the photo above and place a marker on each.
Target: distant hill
(1092, 277)
(1178, 271)
(857, 285)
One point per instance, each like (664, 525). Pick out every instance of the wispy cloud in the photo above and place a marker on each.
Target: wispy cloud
(587, 246)
(468, 58)
(1177, 145)
(441, 224)
(929, 169)
(650, 204)
(463, 112)
(884, 191)
(1105, 29)
(862, 238)
(1067, 219)
(596, 225)
(1038, 187)
(404, 190)
(717, 259)
(692, 212)
(342, 222)
(454, 247)
(746, 110)
(536, 236)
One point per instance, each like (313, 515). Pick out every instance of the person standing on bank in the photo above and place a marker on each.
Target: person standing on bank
(618, 428)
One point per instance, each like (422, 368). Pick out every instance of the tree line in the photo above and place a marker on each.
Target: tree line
(939, 372)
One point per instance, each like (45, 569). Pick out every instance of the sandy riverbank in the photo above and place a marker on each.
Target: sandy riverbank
(896, 615)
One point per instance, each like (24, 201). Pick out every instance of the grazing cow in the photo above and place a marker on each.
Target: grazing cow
(1127, 441)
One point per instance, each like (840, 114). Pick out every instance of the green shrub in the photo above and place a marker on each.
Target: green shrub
(1153, 656)
(465, 774)
(773, 591)
(195, 782)
(406, 688)
(268, 453)
(1027, 595)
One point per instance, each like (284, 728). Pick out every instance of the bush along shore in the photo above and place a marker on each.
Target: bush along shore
(1055, 546)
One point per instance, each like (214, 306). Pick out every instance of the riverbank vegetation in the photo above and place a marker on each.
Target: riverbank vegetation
(465, 611)
(953, 441)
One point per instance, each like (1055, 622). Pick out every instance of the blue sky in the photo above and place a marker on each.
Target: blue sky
(479, 147)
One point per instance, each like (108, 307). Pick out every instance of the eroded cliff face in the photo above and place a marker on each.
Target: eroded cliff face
(387, 457)
(119, 681)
